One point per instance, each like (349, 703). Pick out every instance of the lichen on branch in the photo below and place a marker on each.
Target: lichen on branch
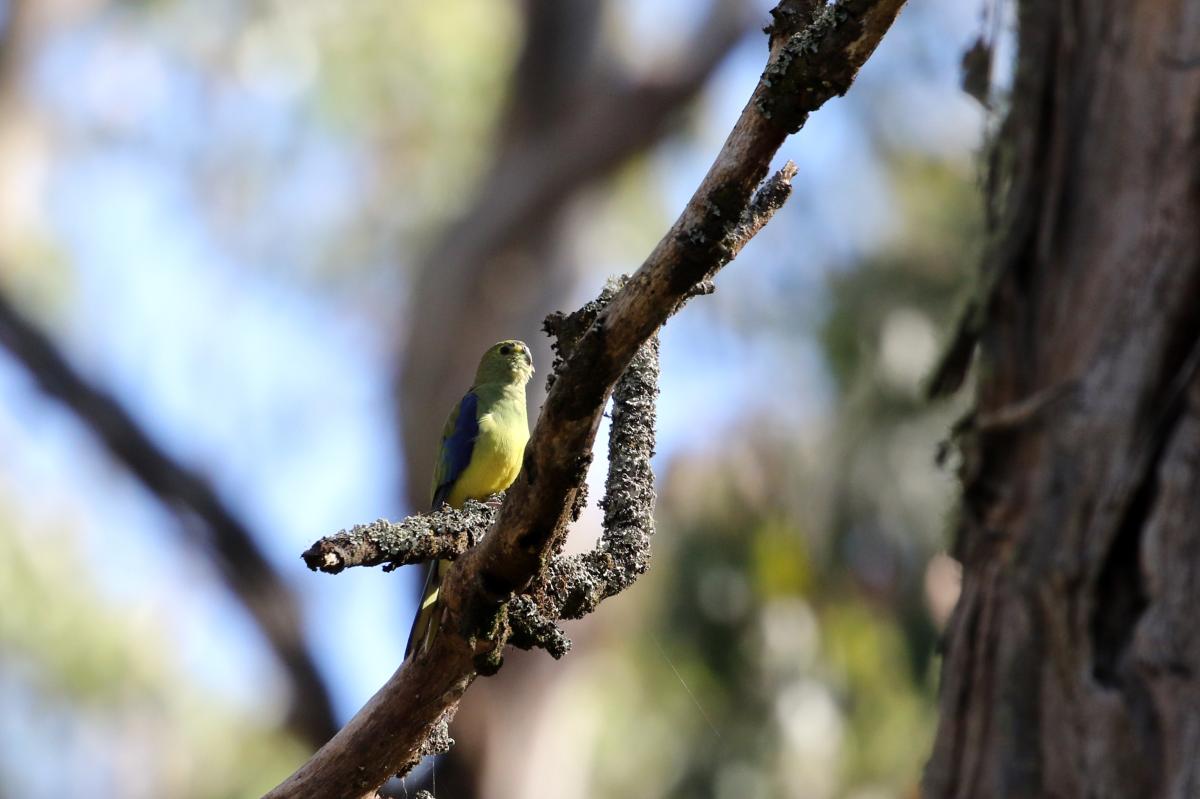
(572, 586)
(520, 554)
(441, 535)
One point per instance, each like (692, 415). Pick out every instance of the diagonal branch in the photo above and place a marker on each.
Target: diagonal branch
(573, 586)
(205, 521)
(808, 66)
(447, 533)
(564, 128)
(816, 51)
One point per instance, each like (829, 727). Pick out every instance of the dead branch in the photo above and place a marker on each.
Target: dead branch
(442, 535)
(816, 51)
(572, 586)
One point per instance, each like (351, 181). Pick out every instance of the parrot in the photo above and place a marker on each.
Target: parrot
(482, 447)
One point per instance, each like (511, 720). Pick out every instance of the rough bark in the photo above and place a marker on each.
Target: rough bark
(812, 59)
(1072, 664)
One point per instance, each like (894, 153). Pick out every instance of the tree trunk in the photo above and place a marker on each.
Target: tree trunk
(1072, 664)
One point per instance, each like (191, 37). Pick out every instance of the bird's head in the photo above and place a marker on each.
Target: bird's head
(505, 362)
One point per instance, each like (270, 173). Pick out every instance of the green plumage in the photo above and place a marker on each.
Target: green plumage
(483, 443)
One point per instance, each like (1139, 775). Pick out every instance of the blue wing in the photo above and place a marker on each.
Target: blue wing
(458, 441)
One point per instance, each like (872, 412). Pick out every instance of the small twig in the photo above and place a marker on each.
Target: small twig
(530, 628)
(443, 535)
(1016, 414)
(769, 198)
(951, 370)
(701, 289)
(1004, 419)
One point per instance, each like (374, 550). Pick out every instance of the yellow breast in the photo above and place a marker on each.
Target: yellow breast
(495, 461)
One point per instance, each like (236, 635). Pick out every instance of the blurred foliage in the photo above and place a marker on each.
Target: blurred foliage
(419, 83)
(364, 125)
(77, 672)
(789, 650)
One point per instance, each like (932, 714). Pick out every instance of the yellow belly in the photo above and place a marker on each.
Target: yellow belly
(495, 463)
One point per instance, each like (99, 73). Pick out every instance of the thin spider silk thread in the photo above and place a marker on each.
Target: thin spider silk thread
(682, 682)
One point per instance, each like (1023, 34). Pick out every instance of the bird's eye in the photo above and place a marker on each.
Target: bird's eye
(505, 350)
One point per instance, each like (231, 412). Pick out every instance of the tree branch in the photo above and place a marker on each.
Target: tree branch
(442, 535)
(556, 140)
(812, 59)
(506, 259)
(205, 520)
(573, 586)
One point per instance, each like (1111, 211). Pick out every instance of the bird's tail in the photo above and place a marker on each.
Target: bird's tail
(425, 624)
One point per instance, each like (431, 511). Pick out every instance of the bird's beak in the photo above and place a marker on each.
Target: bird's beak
(529, 360)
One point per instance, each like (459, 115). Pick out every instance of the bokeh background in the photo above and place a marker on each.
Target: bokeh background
(278, 234)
